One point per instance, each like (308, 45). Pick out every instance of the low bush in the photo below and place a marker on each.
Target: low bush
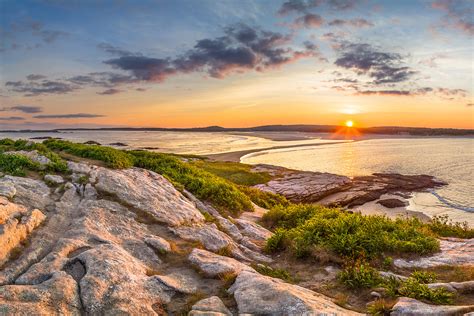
(16, 165)
(359, 274)
(424, 277)
(264, 199)
(445, 227)
(349, 235)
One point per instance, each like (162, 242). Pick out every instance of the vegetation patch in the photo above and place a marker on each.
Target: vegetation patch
(264, 199)
(445, 227)
(358, 275)
(349, 235)
(235, 172)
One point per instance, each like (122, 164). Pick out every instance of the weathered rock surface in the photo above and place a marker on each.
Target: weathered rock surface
(262, 295)
(159, 244)
(56, 296)
(28, 192)
(411, 307)
(214, 265)
(209, 306)
(453, 252)
(16, 223)
(149, 192)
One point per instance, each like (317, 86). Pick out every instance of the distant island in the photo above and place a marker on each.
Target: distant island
(382, 130)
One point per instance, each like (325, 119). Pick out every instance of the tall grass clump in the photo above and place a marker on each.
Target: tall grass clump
(303, 228)
(445, 227)
(112, 157)
(204, 185)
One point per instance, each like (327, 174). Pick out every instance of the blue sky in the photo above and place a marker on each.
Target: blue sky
(236, 63)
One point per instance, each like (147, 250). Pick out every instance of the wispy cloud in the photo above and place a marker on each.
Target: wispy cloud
(23, 108)
(11, 118)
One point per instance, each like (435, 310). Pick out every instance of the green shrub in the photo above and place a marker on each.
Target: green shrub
(16, 165)
(387, 262)
(112, 157)
(350, 235)
(424, 277)
(358, 274)
(443, 226)
(416, 288)
(204, 185)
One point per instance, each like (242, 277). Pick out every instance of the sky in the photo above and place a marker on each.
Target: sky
(235, 63)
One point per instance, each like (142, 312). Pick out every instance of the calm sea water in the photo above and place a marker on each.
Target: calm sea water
(199, 143)
(449, 159)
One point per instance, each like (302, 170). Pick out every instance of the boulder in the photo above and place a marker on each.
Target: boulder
(7, 190)
(213, 265)
(263, 295)
(253, 230)
(210, 306)
(392, 203)
(410, 307)
(53, 179)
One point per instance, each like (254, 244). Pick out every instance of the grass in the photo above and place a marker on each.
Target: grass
(264, 199)
(112, 157)
(273, 272)
(380, 307)
(349, 235)
(235, 172)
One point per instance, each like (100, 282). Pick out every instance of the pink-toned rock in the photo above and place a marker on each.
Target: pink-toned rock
(453, 252)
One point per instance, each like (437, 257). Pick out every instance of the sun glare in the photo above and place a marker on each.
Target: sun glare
(349, 123)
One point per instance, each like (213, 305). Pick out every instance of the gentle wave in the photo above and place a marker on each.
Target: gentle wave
(451, 204)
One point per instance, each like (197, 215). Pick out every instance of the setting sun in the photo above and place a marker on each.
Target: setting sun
(349, 123)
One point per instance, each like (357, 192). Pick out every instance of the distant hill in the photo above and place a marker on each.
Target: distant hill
(384, 130)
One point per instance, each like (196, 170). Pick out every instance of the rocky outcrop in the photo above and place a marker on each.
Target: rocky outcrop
(453, 251)
(335, 190)
(410, 307)
(262, 295)
(53, 179)
(306, 187)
